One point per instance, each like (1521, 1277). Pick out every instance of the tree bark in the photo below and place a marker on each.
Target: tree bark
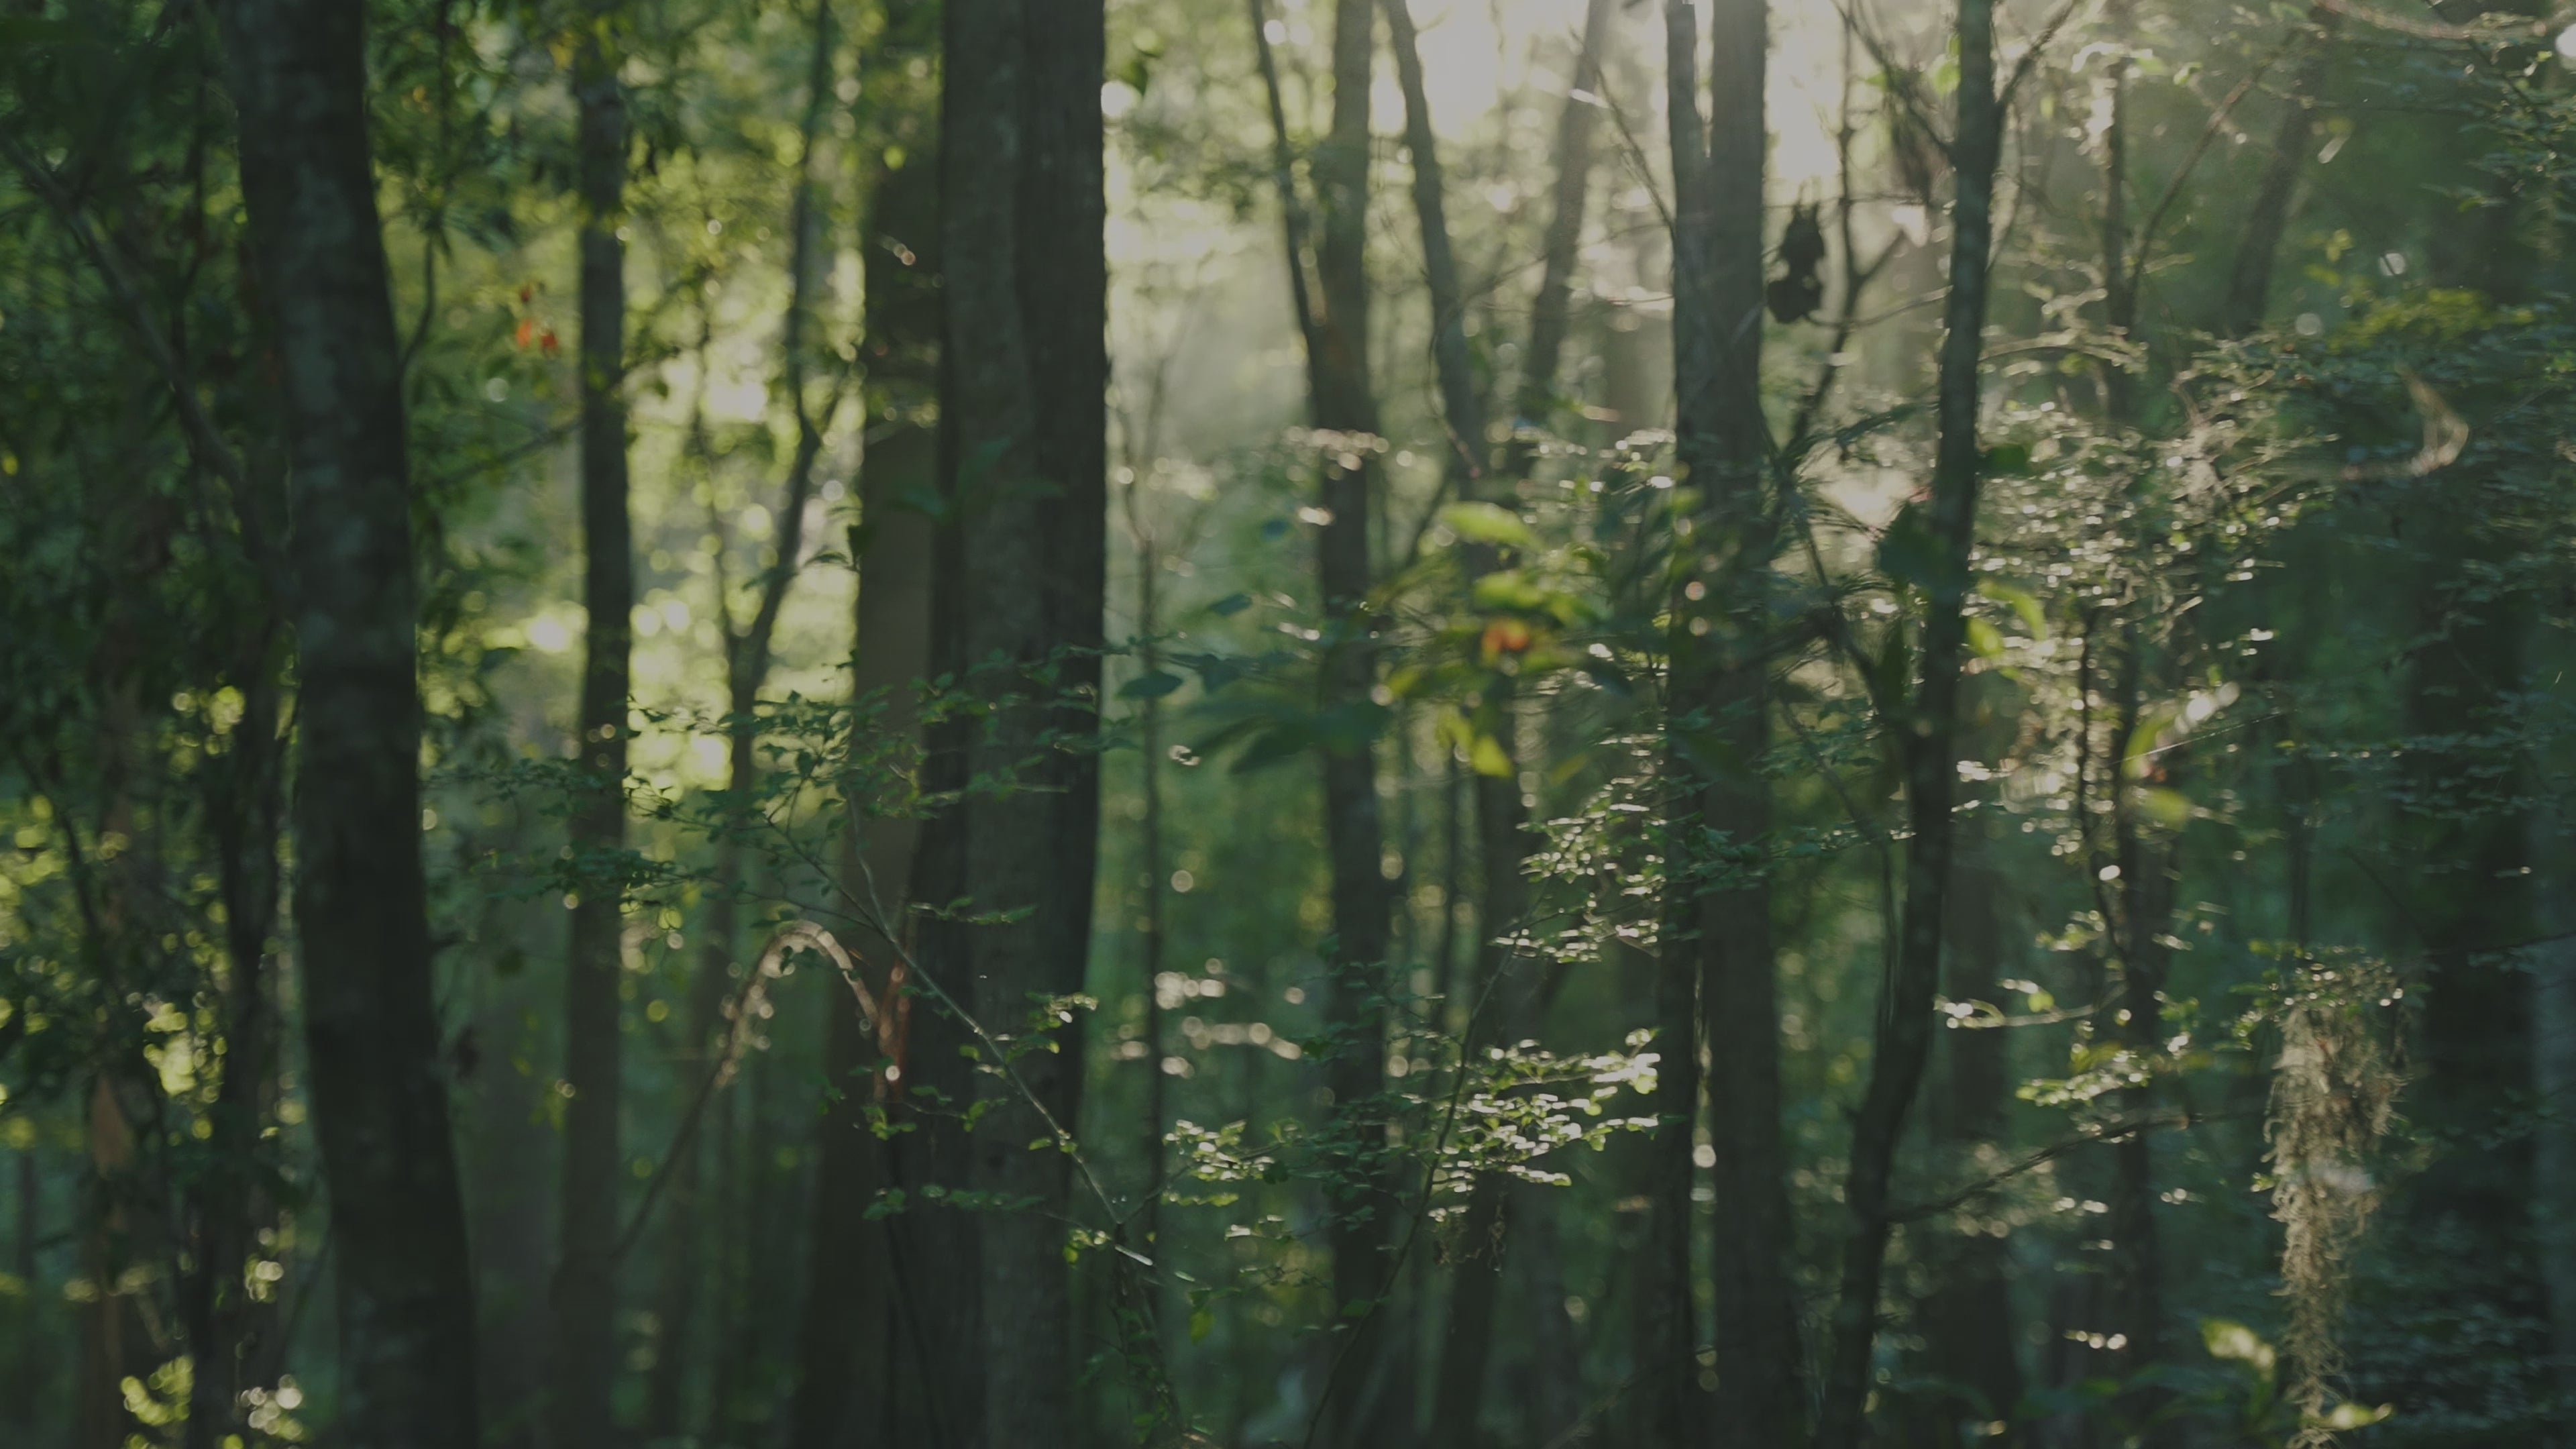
(404, 1286)
(1967, 1320)
(1928, 731)
(2141, 885)
(585, 1291)
(856, 1340)
(1018, 619)
(2143, 889)
(1718, 907)
(1341, 398)
(2552, 965)
(1760, 1402)
(1674, 1406)
(1551, 311)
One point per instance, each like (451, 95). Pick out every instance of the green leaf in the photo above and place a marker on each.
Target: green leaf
(1488, 756)
(2169, 809)
(1909, 552)
(1150, 686)
(2024, 604)
(1281, 742)
(1509, 591)
(1488, 523)
(1230, 605)
(2226, 1338)
(1985, 640)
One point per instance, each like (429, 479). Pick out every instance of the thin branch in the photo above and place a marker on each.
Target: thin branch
(2110, 1132)
(2039, 43)
(1292, 215)
(2191, 159)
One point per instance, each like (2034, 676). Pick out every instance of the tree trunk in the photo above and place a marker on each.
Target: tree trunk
(2468, 834)
(585, 1294)
(109, 1336)
(2552, 965)
(1718, 907)
(855, 1331)
(1928, 730)
(2143, 888)
(1149, 845)
(30, 1217)
(1341, 398)
(2141, 872)
(509, 1177)
(226, 1329)
(2119, 275)
(748, 656)
(1967, 1320)
(1551, 311)
(1674, 1405)
(404, 1287)
(1503, 844)
(1018, 618)
(1759, 1403)
(2258, 246)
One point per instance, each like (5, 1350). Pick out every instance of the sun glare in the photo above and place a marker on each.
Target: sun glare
(1474, 52)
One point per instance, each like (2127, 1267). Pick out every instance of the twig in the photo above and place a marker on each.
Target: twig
(2112, 1132)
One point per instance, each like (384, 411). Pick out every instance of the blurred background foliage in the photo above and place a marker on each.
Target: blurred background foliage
(2260, 1001)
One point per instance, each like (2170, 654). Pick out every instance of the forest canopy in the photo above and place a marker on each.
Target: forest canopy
(1493, 724)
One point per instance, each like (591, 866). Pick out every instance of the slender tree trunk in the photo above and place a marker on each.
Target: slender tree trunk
(2258, 246)
(1462, 403)
(1551, 310)
(1760, 1403)
(2468, 843)
(2552, 965)
(30, 1368)
(1149, 735)
(1458, 1395)
(1503, 845)
(730, 1276)
(224, 1326)
(108, 1338)
(858, 1358)
(2140, 875)
(511, 1184)
(748, 656)
(1018, 616)
(1340, 398)
(2119, 276)
(1718, 908)
(1929, 730)
(1967, 1320)
(585, 1295)
(1674, 1407)
(404, 1288)
(1554, 1381)
(30, 1222)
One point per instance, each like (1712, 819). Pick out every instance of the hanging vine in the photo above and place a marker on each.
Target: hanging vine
(2334, 1096)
